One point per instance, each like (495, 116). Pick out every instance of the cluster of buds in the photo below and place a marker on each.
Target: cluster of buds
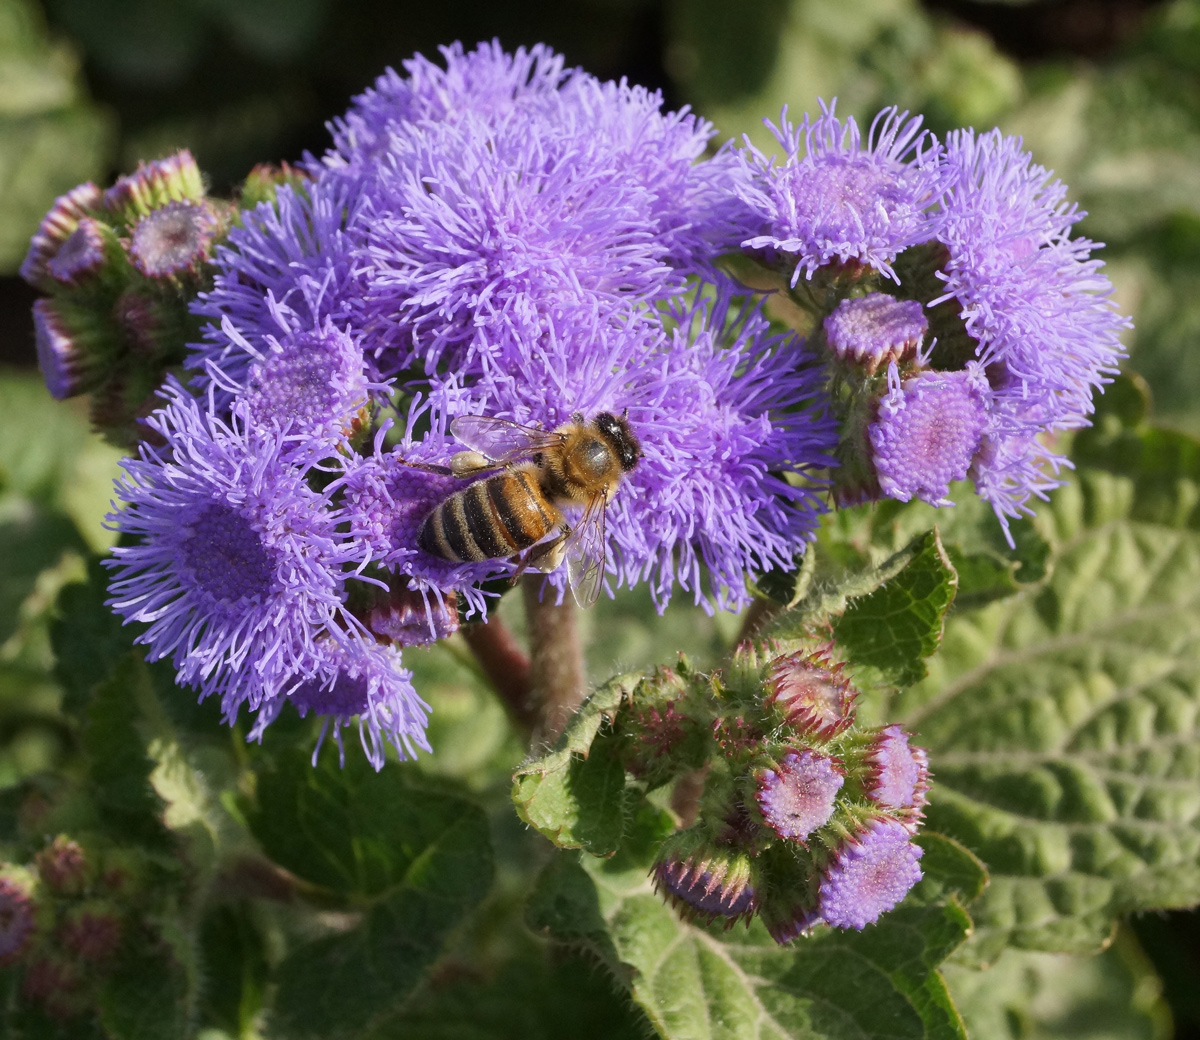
(804, 818)
(120, 268)
(63, 919)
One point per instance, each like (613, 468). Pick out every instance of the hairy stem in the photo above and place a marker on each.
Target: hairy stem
(757, 615)
(506, 667)
(556, 665)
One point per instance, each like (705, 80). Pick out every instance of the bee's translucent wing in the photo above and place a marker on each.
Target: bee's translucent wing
(585, 552)
(500, 440)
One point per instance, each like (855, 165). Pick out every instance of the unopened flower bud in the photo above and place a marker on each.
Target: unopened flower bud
(263, 182)
(711, 883)
(17, 913)
(875, 329)
(407, 618)
(74, 350)
(57, 226)
(63, 867)
(174, 240)
(153, 185)
(798, 797)
(152, 327)
(869, 874)
(812, 694)
(57, 984)
(81, 255)
(927, 431)
(899, 777)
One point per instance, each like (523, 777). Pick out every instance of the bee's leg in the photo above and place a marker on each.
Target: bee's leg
(468, 463)
(545, 556)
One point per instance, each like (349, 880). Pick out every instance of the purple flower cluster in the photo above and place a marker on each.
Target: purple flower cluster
(969, 240)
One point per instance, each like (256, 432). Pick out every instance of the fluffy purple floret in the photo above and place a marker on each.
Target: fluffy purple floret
(875, 329)
(289, 267)
(173, 240)
(836, 197)
(798, 798)
(901, 772)
(869, 875)
(1034, 300)
(363, 680)
(720, 407)
(16, 920)
(239, 569)
(928, 431)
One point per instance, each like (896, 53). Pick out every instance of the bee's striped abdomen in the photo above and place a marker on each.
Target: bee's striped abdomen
(494, 517)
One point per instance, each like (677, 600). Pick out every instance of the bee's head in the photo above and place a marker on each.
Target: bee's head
(616, 431)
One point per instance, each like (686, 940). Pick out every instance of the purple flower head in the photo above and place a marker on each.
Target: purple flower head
(719, 406)
(57, 226)
(876, 329)
(812, 693)
(81, 255)
(70, 348)
(798, 797)
(900, 773)
(869, 874)
(288, 268)
(174, 240)
(718, 886)
(358, 678)
(928, 430)
(17, 919)
(836, 198)
(1031, 298)
(240, 566)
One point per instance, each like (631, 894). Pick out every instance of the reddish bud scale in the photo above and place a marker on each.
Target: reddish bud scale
(812, 694)
(92, 931)
(735, 736)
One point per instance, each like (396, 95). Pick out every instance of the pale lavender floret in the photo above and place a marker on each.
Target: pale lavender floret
(798, 798)
(1036, 303)
(173, 239)
(365, 680)
(80, 255)
(875, 329)
(869, 875)
(900, 776)
(720, 407)
(836, 197)
(927, 432)
(239, 570)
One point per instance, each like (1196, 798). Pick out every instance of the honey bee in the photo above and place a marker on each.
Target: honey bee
(512, 510)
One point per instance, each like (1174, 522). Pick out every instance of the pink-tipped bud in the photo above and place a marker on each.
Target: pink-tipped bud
(81, 256)
(57, 226)
(17, 914)
(899, 773)
(708, 887)
(74, 350)
(62, 866)
(263, 182)
(174, 240)
(813, 695)
(876, 329)
(798, 797)
(155, 184)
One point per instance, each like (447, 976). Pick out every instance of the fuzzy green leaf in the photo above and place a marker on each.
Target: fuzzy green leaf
(703, 983)
(895, 627)
(411, 861)
(150, 994)
(575, 795)
(1062, 723)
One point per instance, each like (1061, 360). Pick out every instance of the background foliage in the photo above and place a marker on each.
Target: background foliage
(1061, 710)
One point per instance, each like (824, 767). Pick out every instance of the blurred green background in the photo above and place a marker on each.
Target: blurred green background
(1105, 92)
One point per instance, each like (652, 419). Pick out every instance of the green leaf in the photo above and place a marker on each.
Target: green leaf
(233, 951)
(697, 982)
(575, 795)
(87, 637)
(411, 861)
(34, 540)
(893, 629)
(951, 870)
(1061, 725)
(150, 994)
